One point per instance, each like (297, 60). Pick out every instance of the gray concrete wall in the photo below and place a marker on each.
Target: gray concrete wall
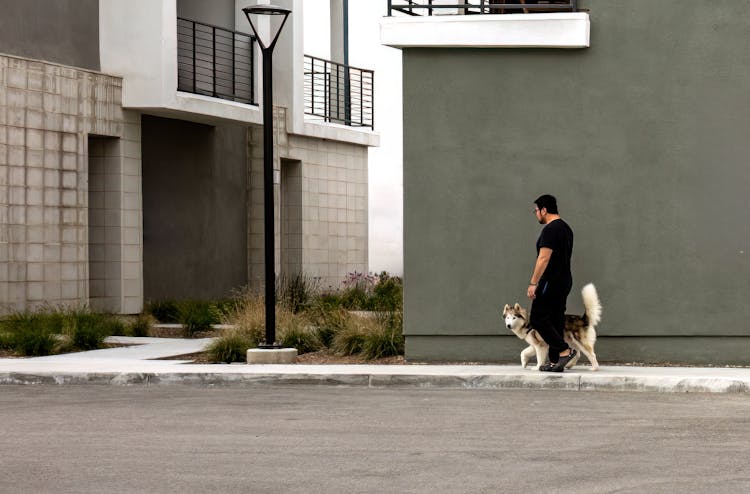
(60, 31)
(642, 137)
(194, 214)
(217, 12)
(50, 180)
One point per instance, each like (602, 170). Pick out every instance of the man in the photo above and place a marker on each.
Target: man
(551, 282)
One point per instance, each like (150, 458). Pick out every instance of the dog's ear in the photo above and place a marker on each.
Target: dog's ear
(506, 308)
(517, 306)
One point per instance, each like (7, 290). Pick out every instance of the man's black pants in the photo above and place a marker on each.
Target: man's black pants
(548, 316)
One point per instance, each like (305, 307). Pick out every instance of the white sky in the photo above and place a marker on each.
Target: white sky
(385, 163)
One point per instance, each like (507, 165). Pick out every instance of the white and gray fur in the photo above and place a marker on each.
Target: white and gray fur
(580, 331)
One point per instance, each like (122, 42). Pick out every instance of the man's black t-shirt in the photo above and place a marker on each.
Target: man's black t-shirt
(558, 236)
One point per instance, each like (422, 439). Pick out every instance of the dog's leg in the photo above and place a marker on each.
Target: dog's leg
(585, 348)
(541, 355)
(588, 350)
(577, 345)
(526, 354)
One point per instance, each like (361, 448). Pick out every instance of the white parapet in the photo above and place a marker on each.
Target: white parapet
(553, 30)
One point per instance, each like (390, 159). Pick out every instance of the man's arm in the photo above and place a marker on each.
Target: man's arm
(541, 264)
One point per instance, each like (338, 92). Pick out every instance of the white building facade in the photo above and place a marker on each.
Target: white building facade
(131, 156)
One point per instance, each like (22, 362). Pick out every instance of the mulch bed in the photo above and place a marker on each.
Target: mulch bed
(322, 357)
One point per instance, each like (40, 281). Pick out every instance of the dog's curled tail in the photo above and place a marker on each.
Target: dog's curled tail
(592, 304)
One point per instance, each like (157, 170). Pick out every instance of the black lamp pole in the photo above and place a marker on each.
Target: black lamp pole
(268, 230)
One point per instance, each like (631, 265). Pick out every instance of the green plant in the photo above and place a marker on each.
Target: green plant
(196, 316)
(388, 293)
(164, 311)
(230, 348)
(295, 331)
(224, 308)
(328, 319)
(249, 318)
(141, 326)
(295, 292)
(385, 339)
(349, 339)
(87, 330)
(354, 299)
(30, 333)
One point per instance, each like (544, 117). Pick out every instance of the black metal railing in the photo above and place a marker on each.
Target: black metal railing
(339, 93)
(445, 7)
(214, 61)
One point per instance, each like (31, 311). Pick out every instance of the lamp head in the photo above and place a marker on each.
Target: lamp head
(267, 10)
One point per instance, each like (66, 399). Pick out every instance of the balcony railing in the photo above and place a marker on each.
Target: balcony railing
(468, 7)
(214, 61)
(339, 93)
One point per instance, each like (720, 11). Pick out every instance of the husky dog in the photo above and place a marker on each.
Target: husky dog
(580, 331)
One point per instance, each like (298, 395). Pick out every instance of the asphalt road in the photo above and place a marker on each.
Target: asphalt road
(165, 439)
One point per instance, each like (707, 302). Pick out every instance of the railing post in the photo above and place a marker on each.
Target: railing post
(347, 95)
(193, 24)
(234, 89)
(327, 95)
(361, 99)
(390, 7)
(252, 69)
(574, 5)
(213, 59)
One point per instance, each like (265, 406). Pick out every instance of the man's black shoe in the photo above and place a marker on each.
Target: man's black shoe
(561, 363)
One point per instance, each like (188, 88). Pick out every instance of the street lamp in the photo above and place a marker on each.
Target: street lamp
(267, 50)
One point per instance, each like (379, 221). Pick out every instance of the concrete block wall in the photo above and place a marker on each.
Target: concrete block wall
(334, 210)
(47, 112)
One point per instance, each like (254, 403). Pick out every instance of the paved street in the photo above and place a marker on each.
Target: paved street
(94, 439)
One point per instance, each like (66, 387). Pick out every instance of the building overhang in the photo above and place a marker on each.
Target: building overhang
(552, 30)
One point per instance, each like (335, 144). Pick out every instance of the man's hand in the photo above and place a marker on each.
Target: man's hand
(531, 292)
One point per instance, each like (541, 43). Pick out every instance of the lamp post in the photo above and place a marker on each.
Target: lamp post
(267, 50)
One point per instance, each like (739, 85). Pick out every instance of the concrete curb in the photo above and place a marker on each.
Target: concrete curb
(569, 382)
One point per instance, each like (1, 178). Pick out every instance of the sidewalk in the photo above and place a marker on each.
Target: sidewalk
(134, 365)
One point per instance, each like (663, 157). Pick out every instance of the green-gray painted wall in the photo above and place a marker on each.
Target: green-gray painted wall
(644, 138)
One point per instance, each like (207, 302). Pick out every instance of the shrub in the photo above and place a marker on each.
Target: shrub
(250, 317)
(196, 316)
(295, 292)
(31, 334)
(87, 330)
(164, 311)
(141, 326)
(386, 339)
(388, 293)
(295, 331)
(230, 348)
(328, 320)
(223, 309)
(6, 339)
(350, 337)
(354, 299)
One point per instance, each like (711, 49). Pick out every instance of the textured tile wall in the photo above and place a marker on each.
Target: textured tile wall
(334, 204)
(47, 112)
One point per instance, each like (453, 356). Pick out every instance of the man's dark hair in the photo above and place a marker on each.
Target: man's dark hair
(547, 201)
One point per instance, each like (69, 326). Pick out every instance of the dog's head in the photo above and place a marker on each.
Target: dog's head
(515, 317)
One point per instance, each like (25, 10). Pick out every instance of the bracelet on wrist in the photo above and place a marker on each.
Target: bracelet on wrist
(533, 284)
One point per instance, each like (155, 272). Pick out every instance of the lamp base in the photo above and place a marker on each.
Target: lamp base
(272, 355)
